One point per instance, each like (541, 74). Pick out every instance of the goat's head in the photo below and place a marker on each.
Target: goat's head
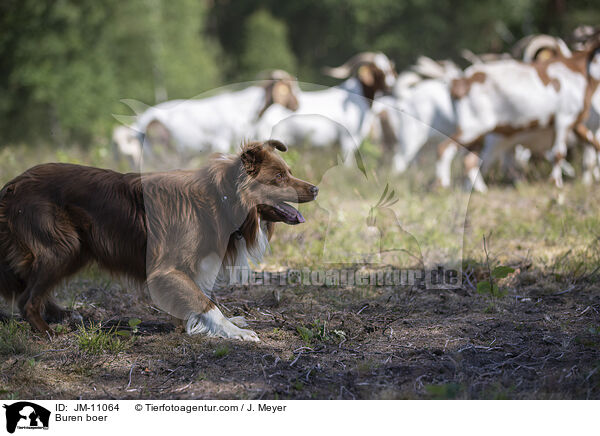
(541, 48)
(280, 88)
(375, 71)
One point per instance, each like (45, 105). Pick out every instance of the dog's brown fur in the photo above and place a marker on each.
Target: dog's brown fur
(154, 228)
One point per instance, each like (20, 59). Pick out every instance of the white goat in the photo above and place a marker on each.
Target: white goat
(509, 96)
(210, 124)
(419, 114)
(422, 116)
(339, 115)
(539, 140)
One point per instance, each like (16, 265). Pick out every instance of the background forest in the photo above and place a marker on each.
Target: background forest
(65, 64)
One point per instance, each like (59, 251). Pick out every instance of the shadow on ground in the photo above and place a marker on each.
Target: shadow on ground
(540, 340)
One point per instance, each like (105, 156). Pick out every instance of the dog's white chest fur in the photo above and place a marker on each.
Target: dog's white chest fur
(215, 272)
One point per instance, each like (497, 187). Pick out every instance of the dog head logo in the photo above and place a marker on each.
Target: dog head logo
(26, 415)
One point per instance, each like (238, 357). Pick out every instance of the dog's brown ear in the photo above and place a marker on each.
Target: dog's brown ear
(252, 157)
(274, 143)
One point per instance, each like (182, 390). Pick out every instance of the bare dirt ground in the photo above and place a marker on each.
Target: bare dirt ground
(396, 343)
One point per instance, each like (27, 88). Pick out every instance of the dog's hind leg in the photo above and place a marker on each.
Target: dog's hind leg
(32, 301)
(176, 293)
(49, 268)
(54, 313)
(11, 286)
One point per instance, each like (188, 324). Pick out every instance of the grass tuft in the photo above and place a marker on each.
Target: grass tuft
(15, 338)
(94, 340)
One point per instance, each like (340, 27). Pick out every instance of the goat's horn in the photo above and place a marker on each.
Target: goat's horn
(343, 71)
(275, 75)
(470, 56)
(539, 42)
(427, 67)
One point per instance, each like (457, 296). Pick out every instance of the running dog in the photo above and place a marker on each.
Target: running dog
(176, 232)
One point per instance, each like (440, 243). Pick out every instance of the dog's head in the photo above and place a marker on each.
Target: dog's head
(270, 184)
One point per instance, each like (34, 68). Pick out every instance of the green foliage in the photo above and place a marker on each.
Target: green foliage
(66, 64)
(186, 58)
(221, 351)
(317, 331)
(501, 272)
(267, 46)
(490, 287)
(15, 339)
(448, 391)
(327, 32)
(94, 340)
(133, 324)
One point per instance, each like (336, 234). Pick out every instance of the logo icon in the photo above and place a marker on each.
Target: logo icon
(26, 415)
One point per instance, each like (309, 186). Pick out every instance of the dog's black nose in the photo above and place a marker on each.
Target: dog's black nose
(314, 190)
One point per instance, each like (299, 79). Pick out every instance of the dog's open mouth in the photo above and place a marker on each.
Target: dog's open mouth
(289, 214)
(281, 212)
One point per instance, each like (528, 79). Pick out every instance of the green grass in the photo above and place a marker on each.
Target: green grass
(221, 351)
(15, 339)
(317, 332)
(93, 340)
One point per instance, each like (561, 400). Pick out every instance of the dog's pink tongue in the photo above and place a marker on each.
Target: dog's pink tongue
(293, 215)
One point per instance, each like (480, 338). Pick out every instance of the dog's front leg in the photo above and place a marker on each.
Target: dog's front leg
(176, 293)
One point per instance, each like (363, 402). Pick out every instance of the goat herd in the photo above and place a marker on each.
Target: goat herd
(541, 99)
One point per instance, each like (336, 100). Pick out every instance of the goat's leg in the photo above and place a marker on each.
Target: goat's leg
(590, 153)
(559, 149)
(475, 180)
(590, 164)
(176, 293)
(586, 135)
(446, 152)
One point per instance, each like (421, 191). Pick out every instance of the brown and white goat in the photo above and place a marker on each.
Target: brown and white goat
(510, 96)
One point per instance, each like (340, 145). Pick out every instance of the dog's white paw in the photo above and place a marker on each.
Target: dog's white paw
(246, 335)
(213, 323)
(239, 321)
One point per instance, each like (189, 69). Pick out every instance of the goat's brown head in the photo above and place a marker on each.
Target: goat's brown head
(375, 71)
(280, 88)
(270, 183)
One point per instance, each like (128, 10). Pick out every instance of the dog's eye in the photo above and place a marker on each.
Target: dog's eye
(279, 177)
